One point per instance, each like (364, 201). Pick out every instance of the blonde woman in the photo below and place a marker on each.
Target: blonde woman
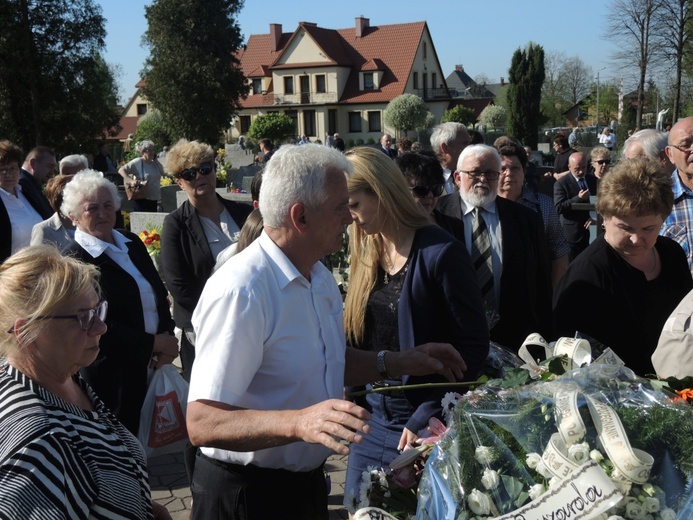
(411, 283)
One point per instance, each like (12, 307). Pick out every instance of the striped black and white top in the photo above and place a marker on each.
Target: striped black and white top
(59, 461)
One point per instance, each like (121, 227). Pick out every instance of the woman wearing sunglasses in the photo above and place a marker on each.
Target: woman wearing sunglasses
(411, 284)
(62, 452)
(195, 234)
(140, 328)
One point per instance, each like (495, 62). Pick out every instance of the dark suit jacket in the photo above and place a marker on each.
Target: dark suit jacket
(441, 302)
(186, 258)
(34, 194)
(525, 283)
(119, 374)
(565, 194)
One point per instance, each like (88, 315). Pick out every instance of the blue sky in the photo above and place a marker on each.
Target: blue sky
(480, 34)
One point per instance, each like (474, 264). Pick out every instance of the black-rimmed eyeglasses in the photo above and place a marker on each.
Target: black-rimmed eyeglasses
(86, 318)
(190, 173)
(490, 175)
(420, 191)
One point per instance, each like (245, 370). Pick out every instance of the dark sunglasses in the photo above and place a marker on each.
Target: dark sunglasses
(421, 191)
(602, 162)
(190, 173)
(86, 318)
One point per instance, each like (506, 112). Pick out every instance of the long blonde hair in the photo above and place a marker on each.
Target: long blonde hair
(377, 174)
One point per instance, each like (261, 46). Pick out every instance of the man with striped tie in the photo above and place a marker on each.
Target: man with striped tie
(507, 246)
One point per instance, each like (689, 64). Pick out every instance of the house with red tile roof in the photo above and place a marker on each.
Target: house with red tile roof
(339, 80)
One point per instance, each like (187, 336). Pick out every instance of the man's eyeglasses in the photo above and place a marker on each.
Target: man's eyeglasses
(685, 149)
(490, 175)
(190, 173)
(421, 191)
(602, 162)
(86, 318)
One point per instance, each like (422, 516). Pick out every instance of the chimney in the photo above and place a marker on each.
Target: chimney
(502, 81)
(361, 25)
(459, 68)
(275, 36)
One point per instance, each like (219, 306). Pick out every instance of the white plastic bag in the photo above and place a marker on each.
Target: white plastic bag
(162, 419)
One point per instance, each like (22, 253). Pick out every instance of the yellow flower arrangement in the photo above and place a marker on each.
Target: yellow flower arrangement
(152, 240)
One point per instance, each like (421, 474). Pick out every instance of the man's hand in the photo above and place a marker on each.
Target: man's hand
(329, 421)
(584, 194)
(164, 351)
(588, 223)
(429, 358)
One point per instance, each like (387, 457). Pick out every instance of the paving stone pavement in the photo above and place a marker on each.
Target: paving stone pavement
(169, 484)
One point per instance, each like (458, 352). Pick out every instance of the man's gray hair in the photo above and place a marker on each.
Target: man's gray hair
(445, 133)
(73, 161)
(653, 143)
(85, 184)
(297, 174)
(478, 151)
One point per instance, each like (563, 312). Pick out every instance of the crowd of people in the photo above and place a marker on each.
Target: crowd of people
(450, 249)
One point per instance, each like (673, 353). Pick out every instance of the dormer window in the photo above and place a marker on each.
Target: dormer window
(257, 86)
(368, 81)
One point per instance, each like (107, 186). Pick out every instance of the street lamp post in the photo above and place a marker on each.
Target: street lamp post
(597, 125)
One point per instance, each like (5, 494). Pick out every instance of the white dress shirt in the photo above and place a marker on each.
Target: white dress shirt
(23, 217)
(268, 339)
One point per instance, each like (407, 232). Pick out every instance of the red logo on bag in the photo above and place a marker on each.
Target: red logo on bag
(168, 423)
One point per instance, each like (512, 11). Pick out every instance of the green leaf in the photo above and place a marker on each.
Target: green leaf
(512, 486)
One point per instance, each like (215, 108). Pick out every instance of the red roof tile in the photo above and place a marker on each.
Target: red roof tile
(128, 126)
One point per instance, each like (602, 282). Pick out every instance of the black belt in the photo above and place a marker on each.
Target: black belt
(256, 471)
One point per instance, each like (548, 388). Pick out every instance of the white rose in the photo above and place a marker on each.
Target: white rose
(615, 517)
(532, 460)
(651, 505)
(536, 491)
(479, 502)
(633, 511)
(543, 470)
(667, 514)
(490, 479)
(484, 455)
(596, 456)
(579, 452)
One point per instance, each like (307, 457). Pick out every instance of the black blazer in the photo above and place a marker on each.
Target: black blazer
(186, 258)
(565, 194)
(119, 374)
(525, 283)
(33, 193)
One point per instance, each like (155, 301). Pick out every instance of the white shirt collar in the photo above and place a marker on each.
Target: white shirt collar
(96, 247)
(466, 208)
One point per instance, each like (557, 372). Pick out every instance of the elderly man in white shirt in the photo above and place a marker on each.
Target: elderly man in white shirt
(271, 360)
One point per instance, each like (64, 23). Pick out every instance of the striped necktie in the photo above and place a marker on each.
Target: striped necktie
(481, 258)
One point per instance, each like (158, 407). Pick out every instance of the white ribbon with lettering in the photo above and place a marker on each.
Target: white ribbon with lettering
(578, 352)
(556, 458)
(635, 464)
(568, 418)
(588, 493)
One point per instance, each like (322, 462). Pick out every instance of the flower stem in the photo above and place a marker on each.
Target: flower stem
(422, 386)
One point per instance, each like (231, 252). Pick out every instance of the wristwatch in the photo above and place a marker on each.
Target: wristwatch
(380, 365)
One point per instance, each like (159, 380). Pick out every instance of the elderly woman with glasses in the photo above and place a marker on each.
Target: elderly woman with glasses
(143, 175)
(17, 215)
(140, 328)
(411, 284)
(194, 234)
(63, 454)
